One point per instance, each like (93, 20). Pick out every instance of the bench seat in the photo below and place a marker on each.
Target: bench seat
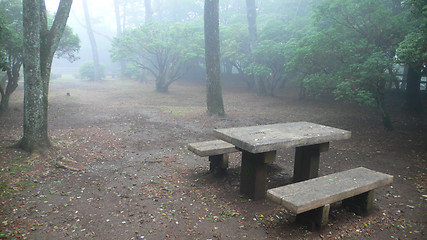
(211, 148)
(216, 150)
(354, 186)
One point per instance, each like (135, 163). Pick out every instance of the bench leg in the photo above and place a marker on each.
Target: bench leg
(218, 163)
(315, 219)
(361, 204)
(253, 174)
(306, 164)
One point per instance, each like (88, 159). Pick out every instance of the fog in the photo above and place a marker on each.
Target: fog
(103, 21)
(295, 41)
(102, 14)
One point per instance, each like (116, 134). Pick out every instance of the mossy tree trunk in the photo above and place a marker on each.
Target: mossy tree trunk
(40, 44)
(214, 99)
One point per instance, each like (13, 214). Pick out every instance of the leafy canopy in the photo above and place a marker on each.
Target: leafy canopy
(164, 49)
(349, 49)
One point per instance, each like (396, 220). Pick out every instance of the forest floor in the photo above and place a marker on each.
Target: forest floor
(120, 169)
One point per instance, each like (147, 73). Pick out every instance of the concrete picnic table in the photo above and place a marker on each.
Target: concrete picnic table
(260, 143)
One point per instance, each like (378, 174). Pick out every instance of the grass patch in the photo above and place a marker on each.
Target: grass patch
(16, 167)
(12, 176)
(6, 189)
(23, 185)
(4, 186)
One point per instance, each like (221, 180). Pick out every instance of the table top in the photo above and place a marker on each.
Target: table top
(272, 137)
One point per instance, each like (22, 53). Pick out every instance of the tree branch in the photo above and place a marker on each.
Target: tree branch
(58, 25)
(94, 31)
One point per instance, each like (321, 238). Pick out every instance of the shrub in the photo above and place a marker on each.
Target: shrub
(86, 71)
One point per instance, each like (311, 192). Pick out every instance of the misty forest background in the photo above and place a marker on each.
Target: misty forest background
(356, 50)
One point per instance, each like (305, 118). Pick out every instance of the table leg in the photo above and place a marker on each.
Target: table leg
(253, 174)
(218, 163)
(361, 204)
(315, 219)
(307, 161)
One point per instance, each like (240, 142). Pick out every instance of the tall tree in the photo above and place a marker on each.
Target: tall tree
(11, 48)
(164, 49)
(119, 32)
(214, 100)
(118, 17)
(40, 44)
(412, 52)
(148, 11)
(252, 15)
(350, 50)
(95, 56)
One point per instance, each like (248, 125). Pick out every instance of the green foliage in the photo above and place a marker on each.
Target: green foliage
(3, 58)
(69, 46)
(284, 10)
(235, 45)
(164, 49)
(11, 46)
(11, 41)
(11, 33)
(350, 50)
(133, 71)
(86, 71)
(270, 55)
(413, 49)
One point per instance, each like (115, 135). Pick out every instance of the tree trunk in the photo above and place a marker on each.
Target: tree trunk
(40, 45)
(251, 15)
(96, 68)
(384, 115)
(175, 11)
(161, 83)
(4, 105)
(413, 94)
(393, 79)
(2, 87)
(35, 125)
(148, 11)
(404, 77)
(119, 33)
(212, 56)
(118, 19)
(161, 86)
(379, 98)
(12, 83)
(228, 68)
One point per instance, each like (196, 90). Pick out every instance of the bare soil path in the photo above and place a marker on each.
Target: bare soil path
(120, 169)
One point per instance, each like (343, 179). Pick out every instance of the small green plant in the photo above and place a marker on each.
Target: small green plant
(87, 71)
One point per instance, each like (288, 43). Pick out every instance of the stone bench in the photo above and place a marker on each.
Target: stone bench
(311, 199)
(217, 150)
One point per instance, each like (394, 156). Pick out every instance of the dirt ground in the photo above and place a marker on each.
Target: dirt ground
(120, 169)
